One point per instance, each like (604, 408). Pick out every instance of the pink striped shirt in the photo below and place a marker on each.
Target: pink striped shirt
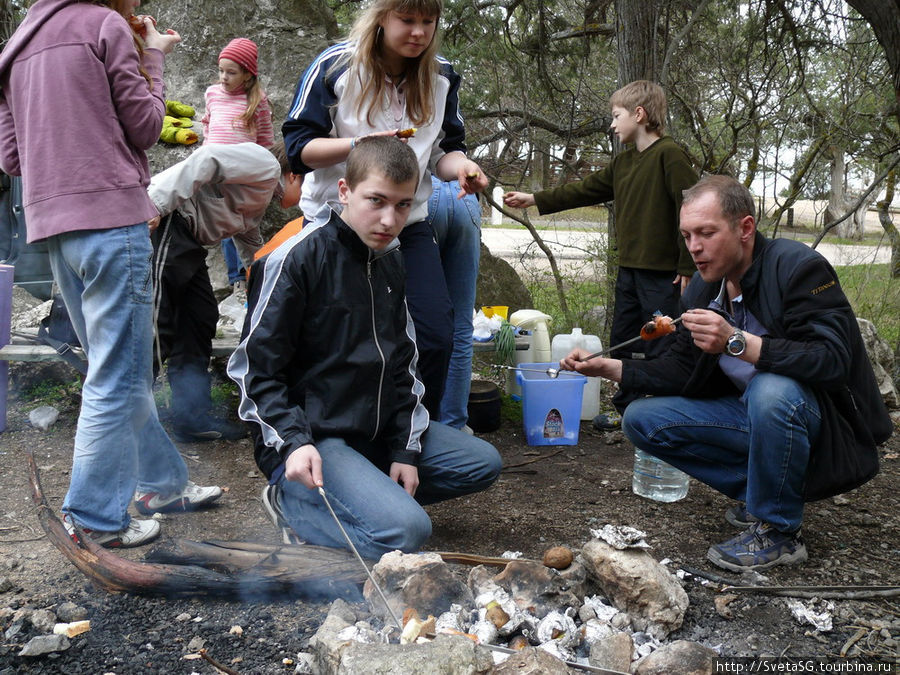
(222, 123)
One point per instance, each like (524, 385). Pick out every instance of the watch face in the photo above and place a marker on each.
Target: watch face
(736, 344)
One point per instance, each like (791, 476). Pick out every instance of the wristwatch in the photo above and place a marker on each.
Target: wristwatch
(736, 344)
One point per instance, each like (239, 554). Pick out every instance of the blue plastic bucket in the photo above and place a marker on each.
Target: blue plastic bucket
(551, 408)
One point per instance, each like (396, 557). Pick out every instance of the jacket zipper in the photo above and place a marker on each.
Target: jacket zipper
(377, 346)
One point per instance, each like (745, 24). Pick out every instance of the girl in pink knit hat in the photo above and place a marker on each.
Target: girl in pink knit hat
(237, 110)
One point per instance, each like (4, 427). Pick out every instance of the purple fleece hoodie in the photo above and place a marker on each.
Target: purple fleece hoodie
(76, 116)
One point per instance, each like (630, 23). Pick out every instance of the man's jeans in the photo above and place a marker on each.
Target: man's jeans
(457, 227)
(377, 513)
(754, 448)
(104, 278)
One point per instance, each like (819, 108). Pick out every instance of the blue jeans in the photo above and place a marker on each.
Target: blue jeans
(754, 448)
(232, 262)
(120, 446)
(377, 513)
(457, 227)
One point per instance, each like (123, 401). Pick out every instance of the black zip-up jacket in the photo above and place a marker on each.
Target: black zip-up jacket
(812, 336)
(328, 349)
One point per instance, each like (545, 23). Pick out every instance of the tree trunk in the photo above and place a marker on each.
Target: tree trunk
(637, 40)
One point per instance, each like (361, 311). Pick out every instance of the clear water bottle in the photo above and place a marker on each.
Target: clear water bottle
(655, 479)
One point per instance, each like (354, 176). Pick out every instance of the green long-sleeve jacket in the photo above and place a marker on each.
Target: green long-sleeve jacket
(647, 189)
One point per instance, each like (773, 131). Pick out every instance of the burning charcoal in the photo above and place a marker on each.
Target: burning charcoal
(485, 631)
(511, 555)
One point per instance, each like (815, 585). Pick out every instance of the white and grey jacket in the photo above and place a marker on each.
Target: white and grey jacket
(222, 191)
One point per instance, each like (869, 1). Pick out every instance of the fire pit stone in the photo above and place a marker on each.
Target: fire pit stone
(637, 584)
(420, 581)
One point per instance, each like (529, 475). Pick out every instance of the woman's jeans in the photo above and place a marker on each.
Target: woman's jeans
(377, 513)
(120, 446)
(754, 448)
(457, 228)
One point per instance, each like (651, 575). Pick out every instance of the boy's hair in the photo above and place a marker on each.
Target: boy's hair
(734, 198)
(369, 68)
(649, 96)
(387, 155)
(281, 155)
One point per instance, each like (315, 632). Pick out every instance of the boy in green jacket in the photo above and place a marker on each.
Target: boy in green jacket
(646, 181)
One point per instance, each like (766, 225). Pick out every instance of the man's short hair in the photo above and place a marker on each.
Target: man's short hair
(387, 155)
(649, 96)
(734, 197)
(281, 155)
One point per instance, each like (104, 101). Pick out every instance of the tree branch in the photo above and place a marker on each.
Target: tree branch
(857, 203)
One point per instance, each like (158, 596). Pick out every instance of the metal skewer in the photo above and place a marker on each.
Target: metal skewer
(620, 345)
(553, 373)
(359, 557)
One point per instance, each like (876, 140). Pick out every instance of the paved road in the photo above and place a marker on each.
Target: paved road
(517, 247)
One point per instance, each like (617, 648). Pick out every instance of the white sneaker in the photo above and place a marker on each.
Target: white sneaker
(137, 533)
(190, 498)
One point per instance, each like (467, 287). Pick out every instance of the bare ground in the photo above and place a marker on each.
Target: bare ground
(547, 496)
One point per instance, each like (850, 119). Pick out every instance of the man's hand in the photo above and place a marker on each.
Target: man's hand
(304, 465)
(611, 369)
(153, 223)
(709, 330)
(406, 475)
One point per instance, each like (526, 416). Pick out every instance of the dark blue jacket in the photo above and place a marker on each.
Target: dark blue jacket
(812, 337)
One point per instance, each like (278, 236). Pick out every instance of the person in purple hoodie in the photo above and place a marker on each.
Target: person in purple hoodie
(81, 99)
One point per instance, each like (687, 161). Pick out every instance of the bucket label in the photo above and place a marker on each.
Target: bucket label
(553, 425)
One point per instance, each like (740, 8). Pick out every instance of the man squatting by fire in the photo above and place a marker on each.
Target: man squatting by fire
(766, 393)
(326, 369)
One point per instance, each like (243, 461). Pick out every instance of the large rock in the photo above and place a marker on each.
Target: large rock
(289, 34)
(677, 658)
(445, 655)
(500, 284)
(635, 583)
(419, 581)
(531, 661)
(882, 359)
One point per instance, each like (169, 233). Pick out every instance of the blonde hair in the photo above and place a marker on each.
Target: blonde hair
(255, 94)
(367, 64)
(649, 96)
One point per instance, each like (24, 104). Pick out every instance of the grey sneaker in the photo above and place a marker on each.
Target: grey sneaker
(759, 547)
(190, 498)
(137, 533)
(271, 500)
(738, 516)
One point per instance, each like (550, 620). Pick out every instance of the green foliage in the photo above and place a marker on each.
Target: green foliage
(57, 394)
(874, 296)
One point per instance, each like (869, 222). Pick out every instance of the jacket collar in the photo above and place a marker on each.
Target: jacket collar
(751, 276)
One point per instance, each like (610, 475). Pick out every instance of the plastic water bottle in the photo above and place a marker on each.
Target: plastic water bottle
(655, 479)
(561, 346)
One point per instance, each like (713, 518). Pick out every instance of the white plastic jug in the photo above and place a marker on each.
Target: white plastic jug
(561, 346)
(538, 343)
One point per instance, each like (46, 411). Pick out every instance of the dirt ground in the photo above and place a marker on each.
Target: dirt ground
(547, 495)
